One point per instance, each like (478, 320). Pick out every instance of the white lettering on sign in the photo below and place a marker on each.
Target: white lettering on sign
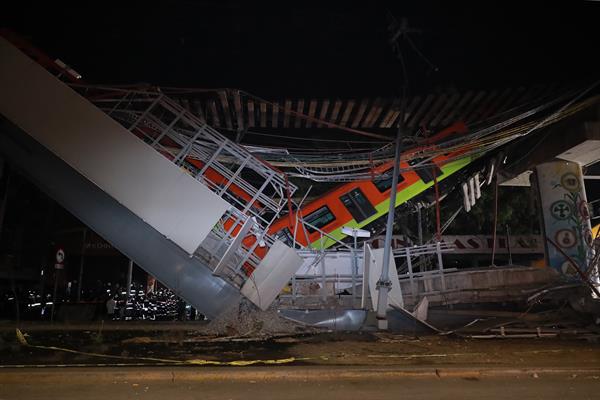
(478, 244)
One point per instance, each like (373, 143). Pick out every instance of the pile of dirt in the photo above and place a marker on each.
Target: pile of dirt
(245, 319)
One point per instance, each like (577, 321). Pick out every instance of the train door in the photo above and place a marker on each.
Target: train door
(358, 205)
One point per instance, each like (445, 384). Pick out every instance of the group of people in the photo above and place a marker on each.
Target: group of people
(105, 301)
(161, 304)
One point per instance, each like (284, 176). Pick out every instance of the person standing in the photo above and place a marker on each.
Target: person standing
(111, 304)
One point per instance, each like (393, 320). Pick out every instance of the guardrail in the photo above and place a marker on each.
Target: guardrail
(437, 248)
(342, 283)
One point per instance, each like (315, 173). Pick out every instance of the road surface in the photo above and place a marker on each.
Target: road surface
(166, 383)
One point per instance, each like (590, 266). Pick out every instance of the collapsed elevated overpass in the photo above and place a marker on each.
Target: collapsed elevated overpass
(176, 222)
(178, 198)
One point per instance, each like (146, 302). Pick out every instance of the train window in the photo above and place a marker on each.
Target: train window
(358, 205)
(285, 236)
(319, 218)
(426, 173)
(386, 183)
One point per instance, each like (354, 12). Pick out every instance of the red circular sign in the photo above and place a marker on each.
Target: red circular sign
(60, 256)
(565, 238)
(584, 210)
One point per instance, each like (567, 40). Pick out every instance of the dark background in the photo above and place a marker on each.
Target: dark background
(326, 48)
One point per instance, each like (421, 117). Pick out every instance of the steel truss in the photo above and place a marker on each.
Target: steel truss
(256, 191)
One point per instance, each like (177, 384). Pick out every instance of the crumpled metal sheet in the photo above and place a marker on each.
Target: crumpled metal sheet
(334, 319)
(402, 321)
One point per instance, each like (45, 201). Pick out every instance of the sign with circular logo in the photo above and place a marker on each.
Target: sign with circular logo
(584, 210)
(568, 269)
(565, 238)
(570, 182)
(588, 236)
(561, 209)
(60, 256)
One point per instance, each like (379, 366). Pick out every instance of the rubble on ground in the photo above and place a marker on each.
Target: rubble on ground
(245, 319)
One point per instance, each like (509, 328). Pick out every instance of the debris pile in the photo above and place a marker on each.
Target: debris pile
(564, 311)
(245, 319)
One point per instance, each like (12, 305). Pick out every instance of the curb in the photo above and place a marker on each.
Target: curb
(95, 375)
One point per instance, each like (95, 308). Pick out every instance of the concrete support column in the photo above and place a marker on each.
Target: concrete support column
(566, 217)
(129, 278)
(80, 279)
(4, 194)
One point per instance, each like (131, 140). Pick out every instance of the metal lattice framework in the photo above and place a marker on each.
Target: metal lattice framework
(256, 191)
(481, 140)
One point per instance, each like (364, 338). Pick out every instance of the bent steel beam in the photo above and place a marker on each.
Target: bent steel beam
(105, 153)
(170, 264)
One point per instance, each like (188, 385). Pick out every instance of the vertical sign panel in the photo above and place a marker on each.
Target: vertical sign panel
(565, 214)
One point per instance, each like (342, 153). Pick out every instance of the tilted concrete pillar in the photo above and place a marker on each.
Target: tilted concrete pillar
(566, 217)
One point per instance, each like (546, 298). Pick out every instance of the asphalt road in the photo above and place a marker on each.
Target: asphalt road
(297, 383)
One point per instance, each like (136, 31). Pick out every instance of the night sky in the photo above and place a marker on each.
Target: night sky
(316, 48)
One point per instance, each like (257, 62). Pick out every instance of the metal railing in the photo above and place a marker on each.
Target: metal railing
(437, 249)
(256, 191)
(419, 281)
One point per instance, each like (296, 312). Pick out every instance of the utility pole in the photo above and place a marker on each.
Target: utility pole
(127, 288)
(3, 171)
(510, 260)
(400, 32)
(79, 281)
(384, 284)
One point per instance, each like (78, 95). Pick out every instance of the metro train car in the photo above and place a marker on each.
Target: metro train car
(360, 204)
